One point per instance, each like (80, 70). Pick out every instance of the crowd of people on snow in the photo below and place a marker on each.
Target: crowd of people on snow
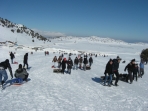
(78, 61)
(20, 73)
(112, 68)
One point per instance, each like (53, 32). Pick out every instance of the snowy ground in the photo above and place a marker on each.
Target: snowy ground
(80, 91)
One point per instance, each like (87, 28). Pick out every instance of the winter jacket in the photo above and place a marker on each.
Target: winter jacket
(63, 64)
(26, 58)
(12, 55)
(69, 64)
(136, 70)
(85, 60)
(141, 65)
(59, 59)
(109, 68)
(81, 60)
(129, 67)
(20, 73)
(115, 65)
(76, 61)
(6, 65)
(54, 59)
(90, 60)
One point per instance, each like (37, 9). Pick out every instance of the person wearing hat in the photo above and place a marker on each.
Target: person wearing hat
(26, 60)
(135, 71)
(12, 57)
(3, 66)
(116, 63)
(85, 62)
(21, 73)
(109, 71)
(141, 68)
(69, 65)
(63, 65)
(130, 68)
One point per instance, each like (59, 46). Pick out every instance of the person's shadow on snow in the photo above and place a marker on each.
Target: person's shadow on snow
(98, 80)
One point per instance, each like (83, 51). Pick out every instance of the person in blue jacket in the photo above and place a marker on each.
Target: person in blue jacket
(141, 68)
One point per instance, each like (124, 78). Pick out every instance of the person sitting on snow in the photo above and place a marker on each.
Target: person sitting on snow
(21, 73)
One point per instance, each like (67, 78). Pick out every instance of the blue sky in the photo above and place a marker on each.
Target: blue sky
(120, 19)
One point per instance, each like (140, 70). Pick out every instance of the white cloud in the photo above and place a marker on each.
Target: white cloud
(49, 34)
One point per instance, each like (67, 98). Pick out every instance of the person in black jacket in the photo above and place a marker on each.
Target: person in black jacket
(109, 71)
(90, 61)
(26, 60)
(135, 71)
(12, 57)
(3, 66)
(63, 65)
(85, 62)
(76, 62)
(115, 69)
(130, 68)
(69, 65)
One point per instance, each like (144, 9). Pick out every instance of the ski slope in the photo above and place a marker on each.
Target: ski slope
(80, 91)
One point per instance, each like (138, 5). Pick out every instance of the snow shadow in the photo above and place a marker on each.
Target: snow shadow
(98, 80)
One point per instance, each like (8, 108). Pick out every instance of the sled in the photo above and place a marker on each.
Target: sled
(15, 62)
(57, 70)
(19, 83)
(88, 67)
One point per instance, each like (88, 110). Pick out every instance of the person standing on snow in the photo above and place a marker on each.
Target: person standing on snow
(69, 65)
(76, 62)
(130, 68)
(3, 66)
(80, 62)
(25, 60)
(109, 71)
(54, 60)
(59, 61)
(141, 68)
(12, 57)
(116, 63)
(85, 62)
(135, 71)
(63, 65)
(90, 61)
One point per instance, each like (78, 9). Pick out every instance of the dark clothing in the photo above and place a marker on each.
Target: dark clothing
(115, 65)
(129, 67)
(80, 60)
(6, 65)
(109, 69)
(130, 76)
(26, 58)
(63, 66)
(69, 64)
(90, 60)
(21, 73)
(85, 61)
(135, 72)
(117, 76)
(76, 61)
(12, 55)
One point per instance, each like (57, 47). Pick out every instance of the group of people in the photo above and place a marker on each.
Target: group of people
(78, 62)
(19, 73)
(112, 68)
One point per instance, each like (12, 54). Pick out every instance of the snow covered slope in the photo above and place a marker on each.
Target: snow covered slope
(80, 91)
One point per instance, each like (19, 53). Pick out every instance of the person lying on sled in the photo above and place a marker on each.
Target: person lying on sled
(21, 73)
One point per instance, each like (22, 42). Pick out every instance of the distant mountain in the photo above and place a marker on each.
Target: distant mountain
(19, 29)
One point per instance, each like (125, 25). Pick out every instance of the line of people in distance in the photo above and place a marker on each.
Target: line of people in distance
(78, 62)
(112, 68)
